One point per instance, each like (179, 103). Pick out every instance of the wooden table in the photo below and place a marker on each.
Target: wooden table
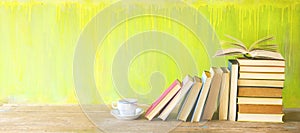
(70, 118)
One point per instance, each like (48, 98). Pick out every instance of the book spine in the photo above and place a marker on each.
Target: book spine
(260, 109)
(233, 67)
(224, 95)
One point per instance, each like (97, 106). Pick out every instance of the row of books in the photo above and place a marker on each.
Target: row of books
(259, 85)
(197, 97)
(248, 90)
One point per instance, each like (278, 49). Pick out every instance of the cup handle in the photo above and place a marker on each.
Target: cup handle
(114, 105)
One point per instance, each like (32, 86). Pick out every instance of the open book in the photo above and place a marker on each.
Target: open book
(256, 50)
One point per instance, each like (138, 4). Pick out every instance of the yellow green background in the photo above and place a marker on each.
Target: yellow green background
(38, 40)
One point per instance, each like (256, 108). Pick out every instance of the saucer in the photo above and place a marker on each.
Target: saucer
(116, 114)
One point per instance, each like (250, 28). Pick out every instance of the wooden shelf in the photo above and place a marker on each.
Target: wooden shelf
(70, 118)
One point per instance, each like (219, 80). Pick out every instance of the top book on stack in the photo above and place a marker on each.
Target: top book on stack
(261, 62)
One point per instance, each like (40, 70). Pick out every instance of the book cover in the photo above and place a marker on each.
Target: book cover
(156, 102)
(163, 100)
(265, 69)
(261, 75)
(260, 117)
(258, 100)
(261, 83)
(188, 82)
(224, 94)
(198, 111)
(211, 104)
(259, 92)
(190, 100)
(233, 67)
(261, 62)
(260, 108)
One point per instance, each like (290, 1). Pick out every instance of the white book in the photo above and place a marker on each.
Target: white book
(224, 95)
(260, 117)
(233, 67)
(211, 103)
(206, 81)
(190, 100)
(187, 84)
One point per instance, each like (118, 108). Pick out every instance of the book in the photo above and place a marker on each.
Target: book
(233, 67)
(190, 100)
(260, 83)
(277, 69)
(260, 117)
(199, 107)
(255, 53)
(256, 100)
(224, 94)
(259, 92)
(187, 84)
(261, 62)
(261, 75)
(260, 109)
(154, 104)
(211, 104)
(163, 100)
(256, 49)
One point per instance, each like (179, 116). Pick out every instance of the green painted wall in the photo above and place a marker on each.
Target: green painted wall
(38, 40)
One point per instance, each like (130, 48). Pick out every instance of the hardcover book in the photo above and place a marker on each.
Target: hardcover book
(206, 79)
(190, 100)
(187, 84)
(163, 100)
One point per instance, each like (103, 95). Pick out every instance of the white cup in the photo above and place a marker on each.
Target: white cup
(126, 107)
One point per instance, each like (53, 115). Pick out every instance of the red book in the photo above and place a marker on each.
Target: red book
(154, 104)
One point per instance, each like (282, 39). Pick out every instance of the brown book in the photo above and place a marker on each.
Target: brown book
(259, 92)
(260, 62)
(260, 83)
(261, 75)
(260, 109)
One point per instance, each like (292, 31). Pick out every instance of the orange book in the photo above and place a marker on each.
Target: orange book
(259, 92)
(260, 109)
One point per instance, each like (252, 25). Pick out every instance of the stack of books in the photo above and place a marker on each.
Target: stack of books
(259, 89)
(248, 90)
(197, 98)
